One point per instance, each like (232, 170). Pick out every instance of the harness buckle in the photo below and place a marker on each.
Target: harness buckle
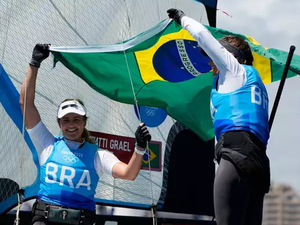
(47, 211)
(64, 214)
(82, 216)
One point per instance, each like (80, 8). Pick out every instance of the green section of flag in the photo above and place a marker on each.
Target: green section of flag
(109, 69)
(278, 59)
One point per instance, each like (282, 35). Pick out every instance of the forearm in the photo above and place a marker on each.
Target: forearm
(28, 86)
(206, 41)
(128, 171)
(131, 170)
(134, 166)
(28, 91)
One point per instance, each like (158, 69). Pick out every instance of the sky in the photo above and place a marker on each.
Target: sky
(274, 24)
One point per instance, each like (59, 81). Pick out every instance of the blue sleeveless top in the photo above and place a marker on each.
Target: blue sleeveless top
(243, 109)
(68, 178)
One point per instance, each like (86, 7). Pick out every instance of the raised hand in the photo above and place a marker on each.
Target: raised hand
(40, 52)
(176, 15)
(142, 136)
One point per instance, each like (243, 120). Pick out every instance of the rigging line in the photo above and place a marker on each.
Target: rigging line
(17, 220)
(129, 73)
(66, 21)
(154, 183)
(153, 213)
(150, 174)
(139, 116)
(132, 87)
(23, 126)
(151, 188)
(21, 197)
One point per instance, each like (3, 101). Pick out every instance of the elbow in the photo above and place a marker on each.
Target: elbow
(21, 102)
(132, 178)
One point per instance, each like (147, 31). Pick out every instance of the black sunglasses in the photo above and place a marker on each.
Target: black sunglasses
(71, 105)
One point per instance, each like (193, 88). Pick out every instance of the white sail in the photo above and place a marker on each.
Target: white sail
(24, 23)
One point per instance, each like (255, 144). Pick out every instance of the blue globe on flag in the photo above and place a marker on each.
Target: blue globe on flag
(183, 61)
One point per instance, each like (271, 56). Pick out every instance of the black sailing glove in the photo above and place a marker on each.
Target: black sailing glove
(142, 136)
(176, 15)
(40, 52)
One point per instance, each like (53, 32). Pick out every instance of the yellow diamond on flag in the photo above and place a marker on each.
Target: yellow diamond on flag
(152, 156)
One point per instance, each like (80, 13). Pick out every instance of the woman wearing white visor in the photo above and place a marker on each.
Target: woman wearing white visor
(66, 194)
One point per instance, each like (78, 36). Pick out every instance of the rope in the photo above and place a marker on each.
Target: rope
(147, 148)
(20, 201)
(132, 86)
(17, 221)
(150, 176)
(23, 127)
(154, 218)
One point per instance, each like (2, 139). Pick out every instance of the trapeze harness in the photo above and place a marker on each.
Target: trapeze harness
(241, 127)
(68, 184)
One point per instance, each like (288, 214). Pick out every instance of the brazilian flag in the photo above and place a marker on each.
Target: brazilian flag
(152, 157)
(166, 69)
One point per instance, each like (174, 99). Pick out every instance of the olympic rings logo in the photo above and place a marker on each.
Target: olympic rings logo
(150, 111)
(70, 159)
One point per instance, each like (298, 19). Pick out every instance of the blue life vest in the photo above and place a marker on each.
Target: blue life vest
(243, 109)
(68, 178)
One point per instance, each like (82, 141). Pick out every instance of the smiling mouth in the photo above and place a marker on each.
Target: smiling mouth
(71, 130)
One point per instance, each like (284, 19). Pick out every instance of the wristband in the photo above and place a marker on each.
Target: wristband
(139, 151)
(35, 63)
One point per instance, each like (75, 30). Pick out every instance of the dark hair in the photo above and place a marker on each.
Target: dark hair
(242, 45)
(85, 134)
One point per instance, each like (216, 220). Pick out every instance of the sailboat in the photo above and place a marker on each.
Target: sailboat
(168, 182)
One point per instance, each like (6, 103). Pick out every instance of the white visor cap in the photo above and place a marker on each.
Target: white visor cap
(72, 106)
